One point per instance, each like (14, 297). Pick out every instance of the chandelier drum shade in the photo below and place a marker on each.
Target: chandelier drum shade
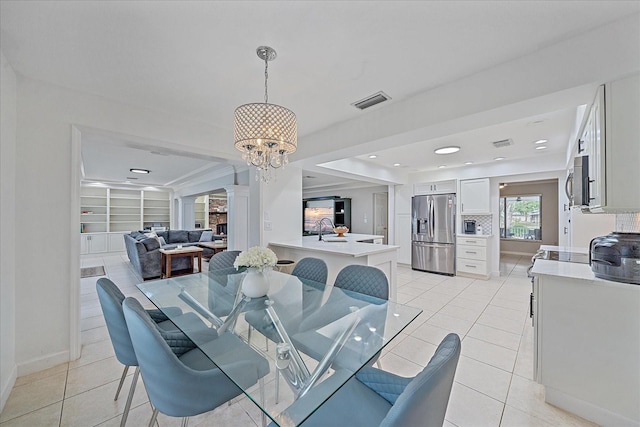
(265, 133)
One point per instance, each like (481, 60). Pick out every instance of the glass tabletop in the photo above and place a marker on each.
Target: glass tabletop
(317, 336)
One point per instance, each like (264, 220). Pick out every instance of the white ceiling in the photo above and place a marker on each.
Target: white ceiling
(197, 59)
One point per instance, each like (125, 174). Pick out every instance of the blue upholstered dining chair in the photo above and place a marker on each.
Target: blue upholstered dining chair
(378, 398)
(223, 260)
(220, 268)
(190, 384)
(363, 279)
(111, 299)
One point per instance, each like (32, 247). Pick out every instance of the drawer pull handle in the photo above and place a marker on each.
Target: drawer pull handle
(470, 241)
(470, 266)
(469, 252)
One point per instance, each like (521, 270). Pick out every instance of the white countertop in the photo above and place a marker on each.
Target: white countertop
(484, 236)
(351, 247)
(571, 270)
(564, 249)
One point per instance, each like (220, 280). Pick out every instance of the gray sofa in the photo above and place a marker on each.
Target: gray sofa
(144, 252)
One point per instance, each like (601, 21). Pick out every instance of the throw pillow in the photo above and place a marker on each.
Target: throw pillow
(161, 241)
(206, 236)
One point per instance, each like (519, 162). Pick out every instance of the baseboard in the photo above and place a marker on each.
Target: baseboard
(8, 386)
(587, 410)
(517, 253)
(40, 364)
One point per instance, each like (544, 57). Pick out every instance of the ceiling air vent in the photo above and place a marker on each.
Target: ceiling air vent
(371, 100)
(503, 143)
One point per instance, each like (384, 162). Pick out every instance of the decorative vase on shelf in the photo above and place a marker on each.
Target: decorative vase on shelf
(255, 283)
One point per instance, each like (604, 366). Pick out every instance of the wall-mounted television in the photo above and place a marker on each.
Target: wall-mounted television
(314, 214)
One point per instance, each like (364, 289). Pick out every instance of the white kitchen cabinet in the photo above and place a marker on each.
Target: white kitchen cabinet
(612, 142)
(475, 197)
(439, 187)
(581, 325)
(472, 256)
(93, 243)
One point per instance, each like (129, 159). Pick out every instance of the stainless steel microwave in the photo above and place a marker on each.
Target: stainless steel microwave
(577, 184)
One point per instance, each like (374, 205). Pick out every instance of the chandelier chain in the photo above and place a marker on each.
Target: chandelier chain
(266, 77)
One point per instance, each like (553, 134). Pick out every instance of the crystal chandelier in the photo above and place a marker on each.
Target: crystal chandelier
(265, 133)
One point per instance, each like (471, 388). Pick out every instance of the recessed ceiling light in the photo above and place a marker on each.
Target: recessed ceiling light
(135, 170)
(396, 164)
(468, 163)
(131, 177)
(499, 158)
(373, 156)
(310, 176)
(541, 147)
(447, 150)
(540, 141)
(158, 153)
(442, 166)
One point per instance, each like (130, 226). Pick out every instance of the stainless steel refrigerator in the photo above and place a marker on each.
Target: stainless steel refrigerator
(433, 233)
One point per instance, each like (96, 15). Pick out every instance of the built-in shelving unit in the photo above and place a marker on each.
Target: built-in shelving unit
(156, 209)
(93, 210)
(125, 210)
(201, 209)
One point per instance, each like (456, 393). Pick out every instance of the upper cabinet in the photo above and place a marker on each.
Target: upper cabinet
(439, 187)
(611, 139)
(475, 197)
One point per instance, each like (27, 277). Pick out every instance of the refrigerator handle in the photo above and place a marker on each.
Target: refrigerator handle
(432, 214)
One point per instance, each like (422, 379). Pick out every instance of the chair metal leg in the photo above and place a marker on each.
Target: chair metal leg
(262, 397)
(249, 334)
(277, 385)
(266, 342)
(378, 364)
(132, 390)
(124, 375)
(154, 416)
(185, 422)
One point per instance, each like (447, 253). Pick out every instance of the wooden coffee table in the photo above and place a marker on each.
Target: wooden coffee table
(188, 251)
(217, 247)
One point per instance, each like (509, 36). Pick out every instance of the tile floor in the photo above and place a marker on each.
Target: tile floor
(493, 384)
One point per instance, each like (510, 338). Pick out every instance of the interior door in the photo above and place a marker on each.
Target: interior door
(380, 215)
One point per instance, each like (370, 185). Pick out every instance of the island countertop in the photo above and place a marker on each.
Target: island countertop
(351, 246)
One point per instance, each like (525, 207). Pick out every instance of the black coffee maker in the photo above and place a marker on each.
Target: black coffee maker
(469, 226)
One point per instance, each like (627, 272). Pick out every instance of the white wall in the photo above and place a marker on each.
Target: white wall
(361, 205)
(8, 370)
(45, 115)
(281, 206)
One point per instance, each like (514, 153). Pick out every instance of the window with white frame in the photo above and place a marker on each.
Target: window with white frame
(521, 217)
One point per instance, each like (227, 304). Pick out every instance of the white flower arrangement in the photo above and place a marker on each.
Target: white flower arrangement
(256, 257)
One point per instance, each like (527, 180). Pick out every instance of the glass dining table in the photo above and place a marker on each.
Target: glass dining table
(321, 335)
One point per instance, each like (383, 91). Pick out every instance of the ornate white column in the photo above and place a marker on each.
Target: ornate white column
(188, 210)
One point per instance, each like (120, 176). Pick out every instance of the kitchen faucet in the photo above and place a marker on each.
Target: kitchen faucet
(319, 224)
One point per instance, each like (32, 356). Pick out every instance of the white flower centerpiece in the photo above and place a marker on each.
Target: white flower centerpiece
(258, 261)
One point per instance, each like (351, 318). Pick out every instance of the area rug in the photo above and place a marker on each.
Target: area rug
(92, 271)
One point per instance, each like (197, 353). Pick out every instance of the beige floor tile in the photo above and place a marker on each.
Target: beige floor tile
(502, 323)
(470, 314)
(94, 335)
(34, 395)
(87, 377)
(399, 365)
(430, 333)
(513, 417)
(97, 405)
(93, 352)
(415, 350)
(468, 303)
(484, 378)
(452, 324)
(25, 379)
(507, 313)
(495, 336)
(469, 408)
(92, 322)
(491, 354)
(528, 397)
(43, 417)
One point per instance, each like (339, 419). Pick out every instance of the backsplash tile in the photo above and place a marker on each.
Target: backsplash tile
(628, 222)
(481, 220)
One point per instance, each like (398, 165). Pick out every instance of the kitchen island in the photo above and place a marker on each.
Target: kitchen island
(340, 252)
(587, 342)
